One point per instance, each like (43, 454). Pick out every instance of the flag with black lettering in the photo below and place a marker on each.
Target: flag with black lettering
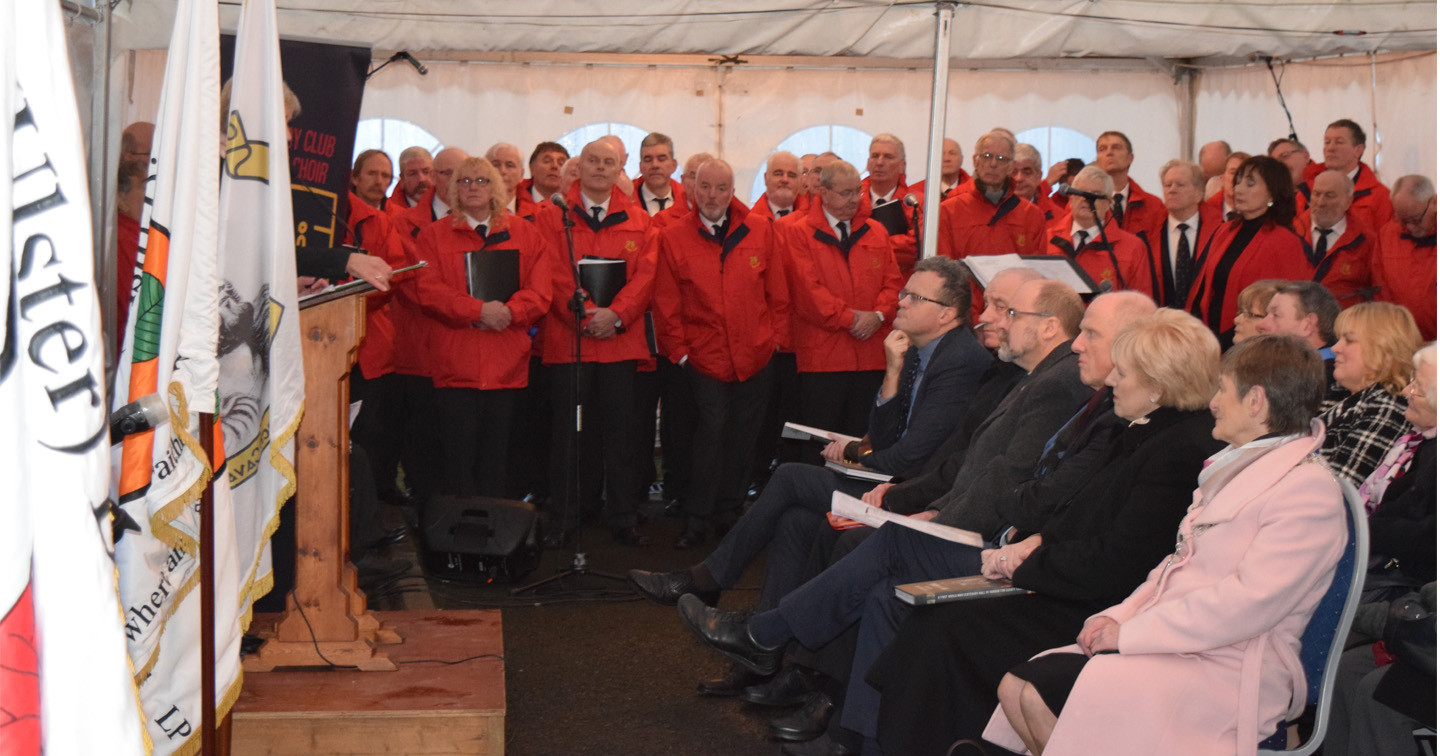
(262, 384)
(65, 677)
(170, 350)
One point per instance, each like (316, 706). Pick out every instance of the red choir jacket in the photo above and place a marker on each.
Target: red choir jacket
(1371, 200)
(1157, 240)
(1143, 210)
(918, 188)
(463, 355)
(723, 303)
(524, 204)
(127, 252)
(827, 281)
(971, 225)
(411, 354)
(1404, 269)
(677, 196)
(669, 215)
(395, 205)
(624, 234)
(376, 236)
(1273, 252)
(762, 207)
(1346, 267)
(901, 245)
(1126, 267)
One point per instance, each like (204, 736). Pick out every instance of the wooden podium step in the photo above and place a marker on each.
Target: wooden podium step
(421, 708)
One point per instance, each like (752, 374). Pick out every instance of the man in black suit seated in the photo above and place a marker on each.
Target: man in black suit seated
(933, 366)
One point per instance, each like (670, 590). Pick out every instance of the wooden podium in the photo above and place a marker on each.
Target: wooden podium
(326, 620)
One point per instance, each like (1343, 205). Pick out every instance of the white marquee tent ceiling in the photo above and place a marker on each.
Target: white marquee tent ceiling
(1214, 32)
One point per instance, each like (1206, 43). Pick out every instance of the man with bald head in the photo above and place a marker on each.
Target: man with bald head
(606, 225)
(1116, 260)
(1338, 242)
(720, 304)
(783, 184)
(985, 217)
(417, 174)
(135, 142)
(621, 179)
(507, 160)
(687, 184)
(952, 171)
(1212, 158)
(1404, 263)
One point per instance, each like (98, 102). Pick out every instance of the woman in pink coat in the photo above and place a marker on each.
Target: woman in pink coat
(1203, 658)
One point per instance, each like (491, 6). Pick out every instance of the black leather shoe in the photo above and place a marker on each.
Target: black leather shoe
(632, 536)
(728, 633)
(692, 536)
(806, 724)
(666, 588)
(734, 682)
(821, 746)
(791, 687)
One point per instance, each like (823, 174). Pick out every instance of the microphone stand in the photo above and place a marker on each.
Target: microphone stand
(579, 565)
(1105, 240)
(919, 232)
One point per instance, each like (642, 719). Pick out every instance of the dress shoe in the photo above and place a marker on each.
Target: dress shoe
(734, 682)
(728, 633)
(821, 746)
(693, 536)
(631, 536)
(791, 687)
(808, 723)
(666, 588)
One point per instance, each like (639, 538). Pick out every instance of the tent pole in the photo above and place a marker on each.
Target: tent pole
(939, 97)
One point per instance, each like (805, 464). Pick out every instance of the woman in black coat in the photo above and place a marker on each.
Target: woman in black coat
(1092, 553)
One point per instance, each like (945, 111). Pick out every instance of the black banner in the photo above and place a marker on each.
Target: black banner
(329, 80)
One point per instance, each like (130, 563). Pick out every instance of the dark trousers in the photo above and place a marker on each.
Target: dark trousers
(379, 426)
(645, 423)
(606, 444)
(474, 426)
(530, 437)
(728, 415)
(795, 488)
(781, 408)
(839, 401)
(677, 429)
(414, 396)
(861, 588)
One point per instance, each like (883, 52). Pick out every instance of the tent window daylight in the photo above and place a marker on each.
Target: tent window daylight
(631, 135)
(1057, 143)
(393, 136)
(851, 144)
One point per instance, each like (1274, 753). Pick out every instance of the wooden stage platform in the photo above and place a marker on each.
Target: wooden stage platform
(421, 708)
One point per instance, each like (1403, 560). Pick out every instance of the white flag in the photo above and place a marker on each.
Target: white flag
(65, 678)
(261, 381)
(170, 349)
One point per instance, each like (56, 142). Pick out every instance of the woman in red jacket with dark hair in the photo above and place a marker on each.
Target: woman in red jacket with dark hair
(1260, 243)
(479, 349)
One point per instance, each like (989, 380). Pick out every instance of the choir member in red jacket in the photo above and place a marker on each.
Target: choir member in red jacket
(884, 194)
(1337, 239)
(1344, 146)
(952, 171)
(985, 217)
(1029, 177)
(1135, 210)
(609, 226)
(129, 202)
(1259, 243)
(371, 176)
(783, 184)
(1175, 243)
(720, 303)
(417, 175)
(655, 191)
(506, 159)
(547, 161)
(480, 347)
(1116, 261)
(1222, 203)
(843, 293)
(1404, 262)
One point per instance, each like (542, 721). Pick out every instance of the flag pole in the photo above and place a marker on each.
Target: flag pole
(207, 592)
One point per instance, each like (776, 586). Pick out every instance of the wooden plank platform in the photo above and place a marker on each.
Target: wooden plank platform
(421, 708)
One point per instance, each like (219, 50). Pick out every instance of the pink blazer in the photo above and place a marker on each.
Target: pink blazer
(1210, 643)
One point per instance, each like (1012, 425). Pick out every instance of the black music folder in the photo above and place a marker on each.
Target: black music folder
(892, 216)
(494, 274)
(603, 278)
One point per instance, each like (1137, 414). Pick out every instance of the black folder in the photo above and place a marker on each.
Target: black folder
(603, 278)
(494, 274)
(892, 216)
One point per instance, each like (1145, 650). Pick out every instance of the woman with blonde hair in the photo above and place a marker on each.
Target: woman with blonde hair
(1250, 306)
(1374, 345)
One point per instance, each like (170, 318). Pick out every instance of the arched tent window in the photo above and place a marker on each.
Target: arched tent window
(851, 144)
(1057, 143)
(392, 136)
(631, 135)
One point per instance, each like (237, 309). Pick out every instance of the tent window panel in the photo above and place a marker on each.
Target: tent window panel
(575, 141)
(1056, 143)
(392, 136)
(851, 144)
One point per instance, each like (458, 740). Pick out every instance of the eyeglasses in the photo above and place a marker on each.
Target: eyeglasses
(1012, 313)
(1002, 159)
(907, 294)
(847, 194)
(476, 181)
(1252, 315)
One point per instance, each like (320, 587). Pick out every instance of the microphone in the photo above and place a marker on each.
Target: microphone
(911, 201)
(557, 199)
(143, 414)
(1071, 191)
(408, 58)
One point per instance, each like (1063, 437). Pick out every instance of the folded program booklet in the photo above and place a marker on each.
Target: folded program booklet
(955, 589)
(800, 432)
(857, 510)
(857, 471)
